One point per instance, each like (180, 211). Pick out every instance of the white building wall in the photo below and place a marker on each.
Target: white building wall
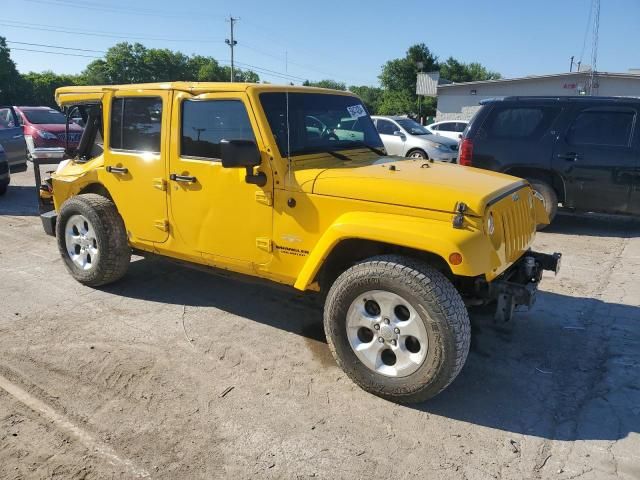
(460, 103)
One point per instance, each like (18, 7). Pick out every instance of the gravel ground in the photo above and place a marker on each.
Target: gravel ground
(173, 373)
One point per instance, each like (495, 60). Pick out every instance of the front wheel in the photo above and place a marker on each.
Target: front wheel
(418, 154)
(397, 327)
(92, 240)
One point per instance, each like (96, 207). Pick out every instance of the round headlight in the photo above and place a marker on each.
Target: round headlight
(491, 225)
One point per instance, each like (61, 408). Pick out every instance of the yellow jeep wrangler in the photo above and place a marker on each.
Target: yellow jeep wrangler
(293, 185)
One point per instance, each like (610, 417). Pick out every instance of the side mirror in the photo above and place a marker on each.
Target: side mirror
(243, 153)
(239, 153)
(398, 133)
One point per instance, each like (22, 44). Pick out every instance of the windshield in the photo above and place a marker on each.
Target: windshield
(413, 127)
(52, 117)
(318, 122)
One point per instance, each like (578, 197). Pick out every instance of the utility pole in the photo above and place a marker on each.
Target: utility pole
(231, 42)
(571, 64)
(594, 48)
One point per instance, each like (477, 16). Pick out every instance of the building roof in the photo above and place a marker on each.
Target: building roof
(634, 76)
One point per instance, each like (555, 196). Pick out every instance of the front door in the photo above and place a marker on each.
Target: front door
(596, 156)
(12, 137)
(393, 142)
(136, 158)
(214, 210)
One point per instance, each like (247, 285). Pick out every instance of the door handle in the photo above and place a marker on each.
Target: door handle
(18, 136)
(182, 178)
(571, 156)
(117, 170)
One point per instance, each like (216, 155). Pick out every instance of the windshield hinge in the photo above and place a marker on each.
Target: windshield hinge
(263, 197)
(264, 243)
(160, 184)
(162, 224)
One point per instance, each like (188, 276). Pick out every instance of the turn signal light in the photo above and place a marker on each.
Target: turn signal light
(455, 258)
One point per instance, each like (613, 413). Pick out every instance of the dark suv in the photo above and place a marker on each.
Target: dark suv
(583, 152)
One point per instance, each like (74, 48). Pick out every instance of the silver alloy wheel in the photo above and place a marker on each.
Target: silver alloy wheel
(386, 333)
(81, 242)
(416, 154)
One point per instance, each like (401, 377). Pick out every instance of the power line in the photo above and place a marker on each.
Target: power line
(586, 32)
(52, 28)
(55, 46)
(115, 9)
(54, 53)
(245, 65)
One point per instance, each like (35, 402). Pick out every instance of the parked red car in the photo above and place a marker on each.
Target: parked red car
(45, 131)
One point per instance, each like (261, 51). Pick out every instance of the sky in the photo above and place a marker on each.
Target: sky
(343, 40)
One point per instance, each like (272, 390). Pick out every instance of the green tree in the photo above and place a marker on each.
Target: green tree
(10, 81)
(134, 63)
(327, 83)
(370, 96)
(39, 88)
(398, 80)
(458, 72)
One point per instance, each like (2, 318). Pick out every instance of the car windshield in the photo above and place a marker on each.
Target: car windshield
(41, 116)
(318, 122)
(413, 127)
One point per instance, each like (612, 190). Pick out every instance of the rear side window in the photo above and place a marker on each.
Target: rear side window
(206, 122)
(447, 127)
(136, 124)
(520, 122)
(610, 128)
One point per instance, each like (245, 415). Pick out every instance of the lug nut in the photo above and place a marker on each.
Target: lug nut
(396, 330)
(380, 339)
(386, 321)
(394, 343)
(376, 326)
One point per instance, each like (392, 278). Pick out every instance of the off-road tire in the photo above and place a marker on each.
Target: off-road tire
(439, 304)
(550, 200)
(111, 235)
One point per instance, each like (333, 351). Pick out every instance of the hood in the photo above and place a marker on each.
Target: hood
(56, 128)
(415, 183)
(437, 139)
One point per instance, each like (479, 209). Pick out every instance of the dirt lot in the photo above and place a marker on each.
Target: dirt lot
(134, 380)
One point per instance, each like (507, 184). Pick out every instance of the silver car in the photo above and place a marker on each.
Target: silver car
(407, 138)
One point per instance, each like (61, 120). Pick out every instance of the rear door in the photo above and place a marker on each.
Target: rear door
(136, 160)
(12, 138)
(596, 155)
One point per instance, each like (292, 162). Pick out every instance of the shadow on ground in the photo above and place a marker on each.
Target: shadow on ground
(20, 201)
(534, 378)
(595, 225)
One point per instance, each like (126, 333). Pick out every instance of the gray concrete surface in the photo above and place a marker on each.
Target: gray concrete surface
(128, 380)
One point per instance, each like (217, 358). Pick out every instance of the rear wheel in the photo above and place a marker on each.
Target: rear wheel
(397, 327)
(92, 240)
(550, 199)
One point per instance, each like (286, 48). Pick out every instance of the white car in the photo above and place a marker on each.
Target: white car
(407, 138)
(450, 129)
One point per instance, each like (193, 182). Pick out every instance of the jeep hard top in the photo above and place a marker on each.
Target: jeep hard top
(292, 184)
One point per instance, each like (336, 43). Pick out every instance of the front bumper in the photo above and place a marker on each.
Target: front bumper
(518, 285)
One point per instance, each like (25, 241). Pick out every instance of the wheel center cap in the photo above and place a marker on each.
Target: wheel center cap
(386, 332)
